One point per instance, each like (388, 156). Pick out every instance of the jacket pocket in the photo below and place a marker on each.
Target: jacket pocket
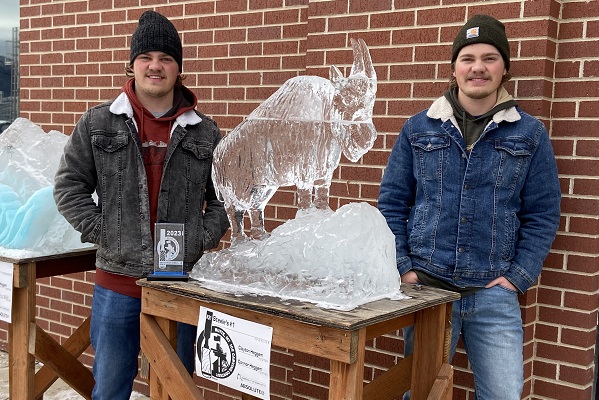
(430, 149)
(110, 149)
(515, 146)
(199, 157)
(513, 155)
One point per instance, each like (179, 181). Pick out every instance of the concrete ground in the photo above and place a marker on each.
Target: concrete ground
(58, 391)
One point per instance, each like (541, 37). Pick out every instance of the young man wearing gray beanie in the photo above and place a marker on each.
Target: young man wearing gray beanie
(471, 193)
(147, 154)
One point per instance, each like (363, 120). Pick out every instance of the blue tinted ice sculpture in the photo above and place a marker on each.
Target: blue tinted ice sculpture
(30, 224)
(295, 137)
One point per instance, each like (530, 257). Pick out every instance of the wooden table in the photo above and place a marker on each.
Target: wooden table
(27, 341)
(336, 335)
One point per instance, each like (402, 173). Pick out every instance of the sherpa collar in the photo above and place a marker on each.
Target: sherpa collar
(121, 105)
(441, 109)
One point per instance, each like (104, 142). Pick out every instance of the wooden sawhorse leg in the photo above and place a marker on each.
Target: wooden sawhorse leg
(21, 364)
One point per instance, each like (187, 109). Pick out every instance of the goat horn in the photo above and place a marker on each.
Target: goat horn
(362, 60)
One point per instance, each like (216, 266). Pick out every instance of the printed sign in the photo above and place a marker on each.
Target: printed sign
(6, 279)
(234, 352)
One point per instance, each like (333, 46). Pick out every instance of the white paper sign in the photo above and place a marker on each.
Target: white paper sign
(6, 276)
(234, 352)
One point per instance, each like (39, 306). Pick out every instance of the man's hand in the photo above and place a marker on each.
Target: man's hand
(410, 277)
(501, 281)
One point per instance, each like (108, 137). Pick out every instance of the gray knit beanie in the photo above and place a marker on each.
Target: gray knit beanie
(483, 29)
(156, 33)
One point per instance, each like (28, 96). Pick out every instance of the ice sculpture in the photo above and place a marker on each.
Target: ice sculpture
(338, 260)
(30, 224)
(295, 137)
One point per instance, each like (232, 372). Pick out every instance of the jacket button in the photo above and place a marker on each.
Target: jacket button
(463, 220)
(460, 250)
(143, 247)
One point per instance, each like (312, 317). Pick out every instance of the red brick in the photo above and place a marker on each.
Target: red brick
(578, 338)
(553, 390)
(29, 11)
(590, 167)
(260, 4)
(588, 109)
(347, 23)
(501, 11)
(41, 22)
(577, 376)
(583, 225)
(41, 47)
(582, 301)
(76, 6)
(571, 318)
(564, 109)
(434, 17)
(88, 19)
(100, 5)
(581, 263)
(282, 17)
(368, 6)
(580, 9)
(579, 49)
(246, 19)
(572, 30)
(109, 17)
(393, 19)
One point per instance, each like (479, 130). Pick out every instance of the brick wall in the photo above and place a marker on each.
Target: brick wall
(238, 52)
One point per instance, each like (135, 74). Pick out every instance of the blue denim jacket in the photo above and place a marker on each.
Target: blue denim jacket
(103, 155)
(470, 218)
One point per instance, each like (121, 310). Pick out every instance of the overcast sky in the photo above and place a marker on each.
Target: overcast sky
(9, 18)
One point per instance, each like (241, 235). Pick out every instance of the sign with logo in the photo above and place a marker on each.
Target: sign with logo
(234, 352)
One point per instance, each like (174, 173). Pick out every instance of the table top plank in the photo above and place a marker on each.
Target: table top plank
(362, 316)
(63, 255)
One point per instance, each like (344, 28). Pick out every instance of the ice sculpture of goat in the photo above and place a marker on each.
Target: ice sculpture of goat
(295, 137)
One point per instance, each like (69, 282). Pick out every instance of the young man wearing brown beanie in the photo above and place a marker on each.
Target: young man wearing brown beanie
(147, 154)
(471, 193)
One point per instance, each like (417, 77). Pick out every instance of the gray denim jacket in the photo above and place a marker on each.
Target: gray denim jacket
(103, 155)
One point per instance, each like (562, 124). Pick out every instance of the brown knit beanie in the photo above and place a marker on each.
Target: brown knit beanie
(483, 29)
(156, 33)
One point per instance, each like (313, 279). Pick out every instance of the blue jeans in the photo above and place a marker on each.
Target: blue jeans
(491, 327)
(115, 337)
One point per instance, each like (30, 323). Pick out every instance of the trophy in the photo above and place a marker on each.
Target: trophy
(168, 252)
